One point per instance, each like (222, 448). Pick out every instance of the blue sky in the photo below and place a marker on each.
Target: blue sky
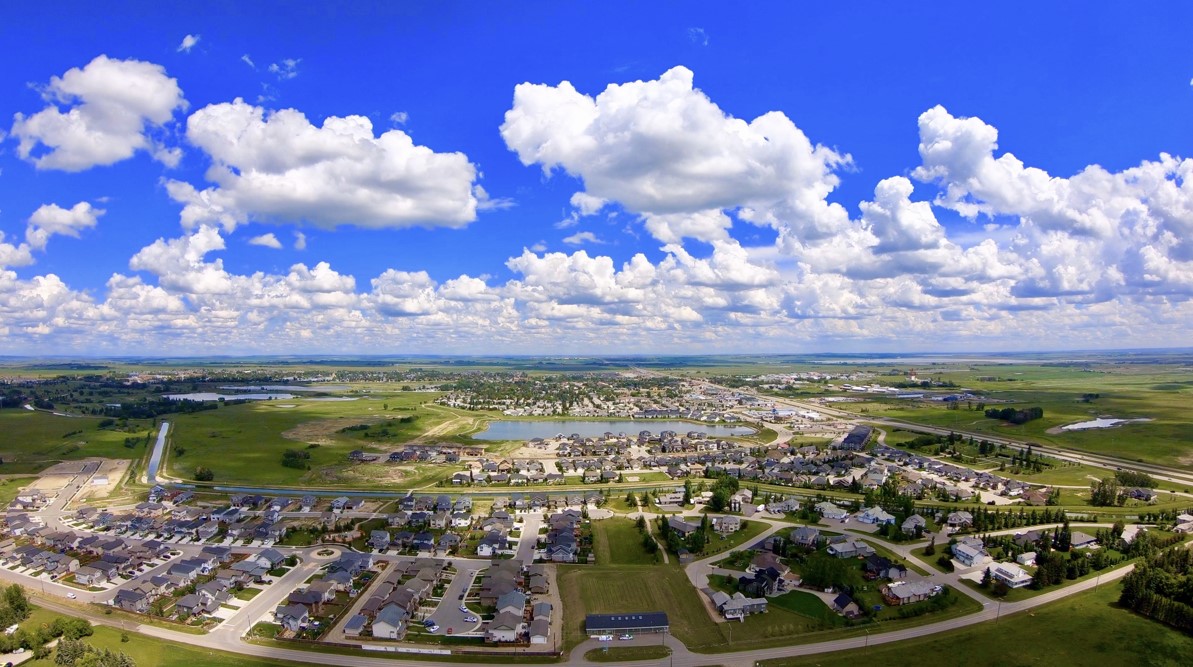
(417, 177)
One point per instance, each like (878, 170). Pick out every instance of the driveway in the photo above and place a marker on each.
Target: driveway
(528, 542)
(448, 614)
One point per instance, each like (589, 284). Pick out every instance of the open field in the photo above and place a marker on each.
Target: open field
(599, 589)
(244, 443)
(1086, 629)
(150, 651)
(35, 440)
(617, 541)
(1157, 392)
(9, 488)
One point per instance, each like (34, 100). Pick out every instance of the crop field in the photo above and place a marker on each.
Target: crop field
(244, 443)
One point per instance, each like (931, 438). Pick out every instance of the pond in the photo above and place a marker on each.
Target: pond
(1101, 422)
(212, 396)
(520, 429)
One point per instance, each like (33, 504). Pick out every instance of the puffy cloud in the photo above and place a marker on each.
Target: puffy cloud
(111, 106)
(14, 255)
(662, 147)
(268, 240)
(580, 238)
(278, 167)
(1094, 234)
(300, 241)
(898, 223)
(188, 43)
(51, 219)
(179, 263)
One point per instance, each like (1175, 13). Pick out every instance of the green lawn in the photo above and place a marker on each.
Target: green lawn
(9, 488)
(627, 653)
(749, 531)
(631, 588)
(617, 542)
(1085, 629)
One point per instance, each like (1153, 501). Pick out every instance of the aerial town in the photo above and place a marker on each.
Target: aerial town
(661, 334)
(709, 505)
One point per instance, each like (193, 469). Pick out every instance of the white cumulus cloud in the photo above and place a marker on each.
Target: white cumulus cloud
(278, 167)
(109, 109)
(268, 240)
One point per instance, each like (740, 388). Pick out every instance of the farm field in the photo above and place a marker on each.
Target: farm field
(1086, 629)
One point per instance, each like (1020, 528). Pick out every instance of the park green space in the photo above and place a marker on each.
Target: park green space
(617, 541)
(1085, 629)
(149, 651)
(611, 589)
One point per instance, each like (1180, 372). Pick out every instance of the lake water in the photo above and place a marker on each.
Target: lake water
(212, 396)
(515, 429)
(288, 387)
(1101, 422)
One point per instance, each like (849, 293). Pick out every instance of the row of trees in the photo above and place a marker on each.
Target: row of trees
(1162, 589)
(1015, 416)
(76, 653)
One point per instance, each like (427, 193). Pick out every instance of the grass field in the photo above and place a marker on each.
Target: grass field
(1086, 629)
(34, 441)
(600, 589)
(617, 541)
(244, 443)
(149, 651)
(9, 488)
(627, 653)
(1154, 391)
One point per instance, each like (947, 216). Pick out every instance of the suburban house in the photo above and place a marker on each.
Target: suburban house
(292, 617)
(806, 536)
(970, 555)
(831, 511)
(845, 606)
(849, 548)
(1011, 574)
(907, 592)
(738, 606)
(913, 523)
(726, 525)
(876, 516)
(505, 627)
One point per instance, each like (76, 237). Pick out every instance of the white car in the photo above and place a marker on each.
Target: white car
(71, 596)
(471, 619)
(464, 609)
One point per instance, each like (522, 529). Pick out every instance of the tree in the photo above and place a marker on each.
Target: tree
(203, 474)
(687, 491)
(930, 550)
(987, 578)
